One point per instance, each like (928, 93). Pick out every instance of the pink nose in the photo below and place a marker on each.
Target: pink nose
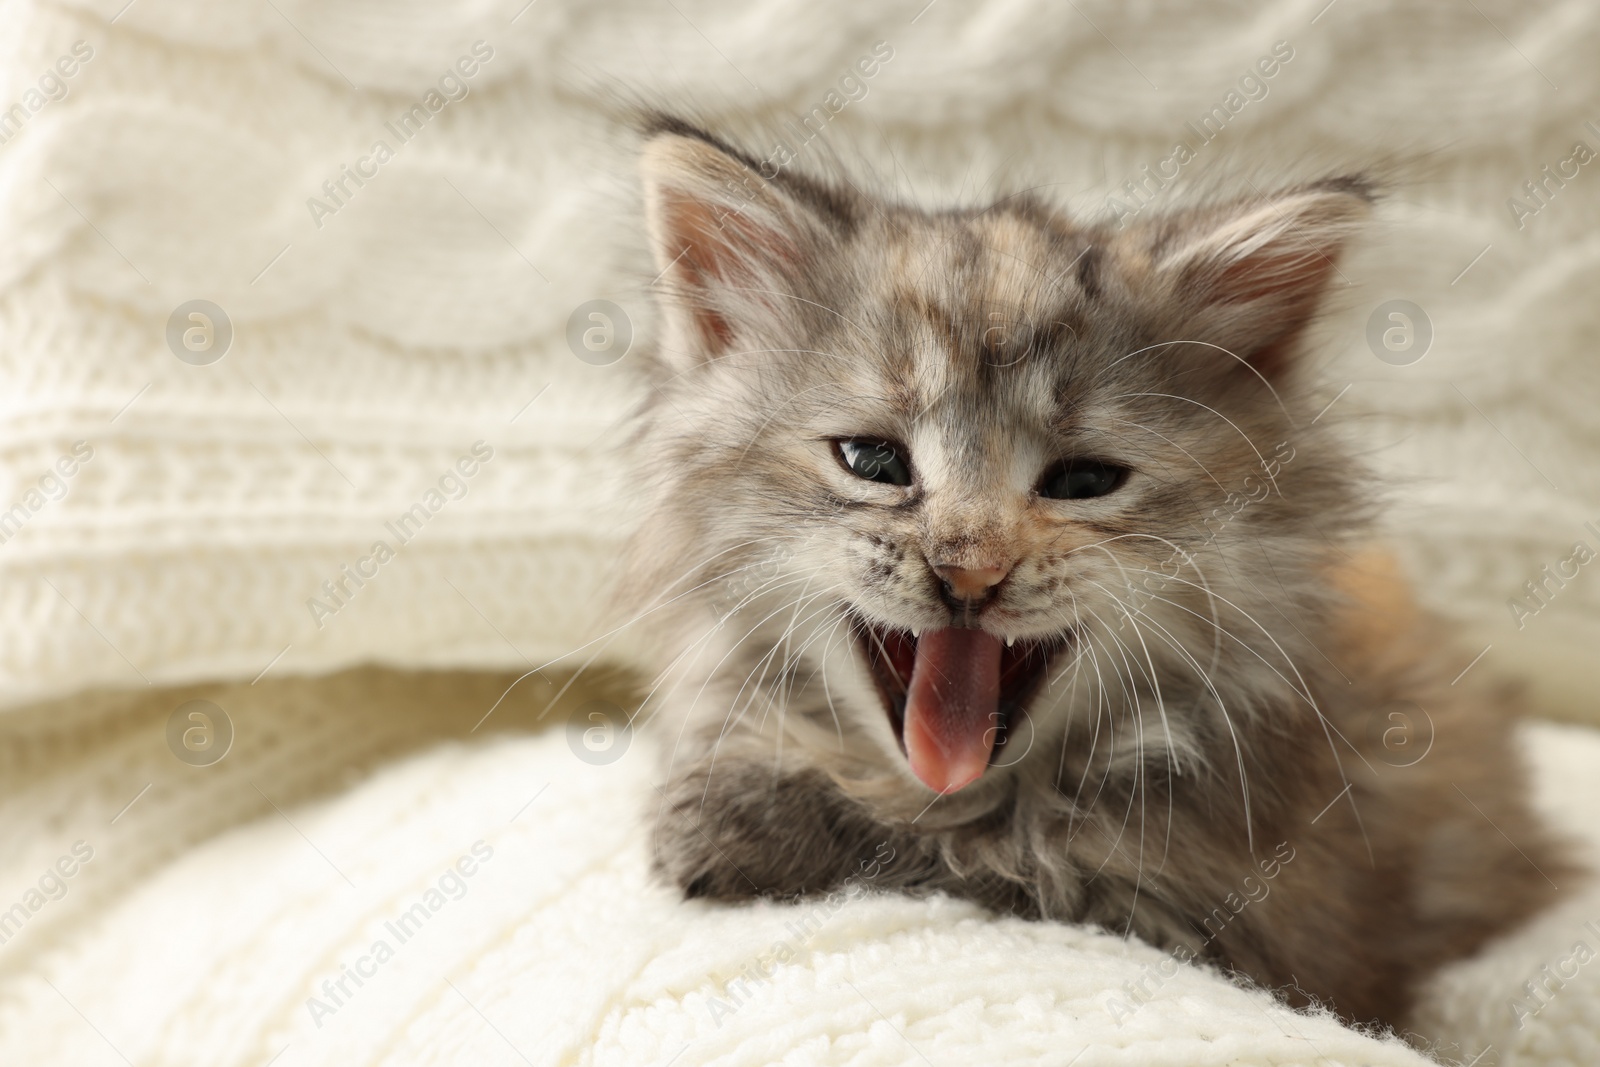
(971, 583)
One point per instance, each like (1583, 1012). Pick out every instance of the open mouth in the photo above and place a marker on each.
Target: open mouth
(953, 695)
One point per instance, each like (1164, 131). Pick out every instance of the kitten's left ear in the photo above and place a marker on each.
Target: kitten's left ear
(1251, 275)
(733, 246)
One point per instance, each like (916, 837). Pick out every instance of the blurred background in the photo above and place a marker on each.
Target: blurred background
(283, 281)
(395, 215)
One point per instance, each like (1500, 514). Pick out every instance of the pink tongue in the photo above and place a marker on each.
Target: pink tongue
(951, 707)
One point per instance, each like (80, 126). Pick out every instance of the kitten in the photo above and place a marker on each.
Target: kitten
(1016, 546)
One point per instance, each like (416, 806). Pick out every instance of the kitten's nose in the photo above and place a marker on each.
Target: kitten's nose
(971, 583)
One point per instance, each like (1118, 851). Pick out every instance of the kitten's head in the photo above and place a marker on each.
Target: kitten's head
(919, 478)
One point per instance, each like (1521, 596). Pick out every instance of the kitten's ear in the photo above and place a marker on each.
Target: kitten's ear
(729, 243)
(1252, 274)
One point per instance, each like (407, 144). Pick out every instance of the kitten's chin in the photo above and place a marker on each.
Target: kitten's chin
(953, 695)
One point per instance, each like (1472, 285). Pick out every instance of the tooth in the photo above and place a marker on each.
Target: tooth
(916, 632)
(1010, 641)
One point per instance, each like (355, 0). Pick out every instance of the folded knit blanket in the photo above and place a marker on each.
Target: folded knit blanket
(489, 902)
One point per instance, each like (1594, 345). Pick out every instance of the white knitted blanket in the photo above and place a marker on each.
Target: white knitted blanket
(167, 151)
(487, 902)
(382, 440)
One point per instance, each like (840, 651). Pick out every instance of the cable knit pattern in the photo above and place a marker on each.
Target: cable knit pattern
(425, 308)
(375, 344)
(218, 901)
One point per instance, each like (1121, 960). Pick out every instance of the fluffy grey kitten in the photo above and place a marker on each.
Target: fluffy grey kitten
(1014, 544)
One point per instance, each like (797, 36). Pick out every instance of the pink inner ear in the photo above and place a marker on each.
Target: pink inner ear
(722, 248)
(1260, 277)
(1291, 268)
(1284, 280)
(1275, 255)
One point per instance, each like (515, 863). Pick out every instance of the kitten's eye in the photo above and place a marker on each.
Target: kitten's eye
(876, 461)
(1080, 479)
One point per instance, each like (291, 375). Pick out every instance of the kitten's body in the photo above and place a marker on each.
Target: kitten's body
(1200, 733)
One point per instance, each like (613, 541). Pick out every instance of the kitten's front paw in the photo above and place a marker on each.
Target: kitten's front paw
(737, 832)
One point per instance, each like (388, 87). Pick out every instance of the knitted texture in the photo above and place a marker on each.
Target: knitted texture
(381, 325)
(223, 905)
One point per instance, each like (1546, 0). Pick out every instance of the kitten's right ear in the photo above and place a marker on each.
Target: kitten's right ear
(732, 246)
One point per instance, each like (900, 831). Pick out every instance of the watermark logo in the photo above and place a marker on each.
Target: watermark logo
(850, 89)
(1552, 978)
(199, 332)
(52, 85)
(1253, 889)
(1400, 734)
(1155, 581)
(1540, 590)
(599, 732)
(454, 85)
(1399, 332)
(341, 589)
(814, 914)
(1540, 191)
(599, 332)
(744, 584)
(337, 992)
(53, 485)
(51, 885)
(1144, 188)
(199, 733)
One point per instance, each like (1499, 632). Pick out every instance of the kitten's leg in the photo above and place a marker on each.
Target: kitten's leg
(732, 829)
